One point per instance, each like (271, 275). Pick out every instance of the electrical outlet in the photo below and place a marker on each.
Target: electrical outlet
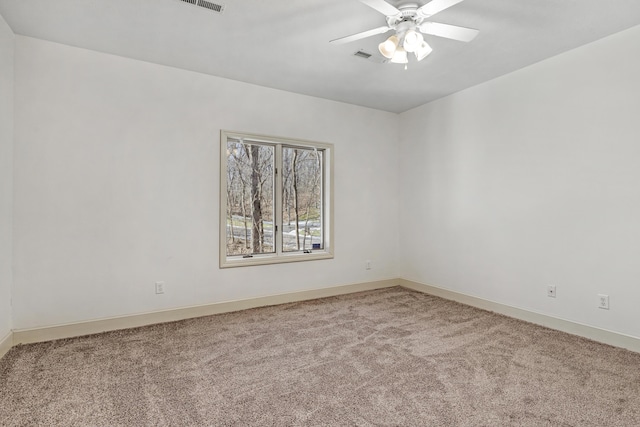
(159, 287)
(551, 291)
(367, 265)
(603, 301)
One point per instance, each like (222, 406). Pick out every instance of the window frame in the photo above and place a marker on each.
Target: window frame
(279, 255)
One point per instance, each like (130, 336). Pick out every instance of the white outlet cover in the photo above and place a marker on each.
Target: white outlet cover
(159, 287)
(603, 301)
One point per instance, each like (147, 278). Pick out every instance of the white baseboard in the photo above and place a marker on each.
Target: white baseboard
(596, 334)
(5, 344)
(25, 336)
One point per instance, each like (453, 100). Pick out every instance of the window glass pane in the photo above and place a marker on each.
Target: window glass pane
(250, 185)
(302, 199)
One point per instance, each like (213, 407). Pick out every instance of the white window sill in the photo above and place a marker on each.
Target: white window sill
(274, 259)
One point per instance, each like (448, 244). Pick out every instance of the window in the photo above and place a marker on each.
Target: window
(275, 200)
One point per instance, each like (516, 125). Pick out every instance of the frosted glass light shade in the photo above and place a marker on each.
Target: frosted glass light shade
(400, 56)
(423, 51)
(412, 41)
(388, 47)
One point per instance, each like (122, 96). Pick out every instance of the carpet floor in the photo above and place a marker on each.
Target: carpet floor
(391, 357)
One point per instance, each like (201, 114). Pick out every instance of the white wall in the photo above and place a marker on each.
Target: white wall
(6, 175)
(528, 180)
(116, 186)
(532, 179)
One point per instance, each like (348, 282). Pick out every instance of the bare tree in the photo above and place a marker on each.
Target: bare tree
(239, 154)
(312, 195)
(230, 202)
(256, 200)
(294, 184)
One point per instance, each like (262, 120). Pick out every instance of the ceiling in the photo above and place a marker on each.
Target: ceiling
(284, 44)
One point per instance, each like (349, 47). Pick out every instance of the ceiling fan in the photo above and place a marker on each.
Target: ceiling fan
(409, 21)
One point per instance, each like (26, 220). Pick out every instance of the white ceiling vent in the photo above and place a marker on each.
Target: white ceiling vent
(215, 7)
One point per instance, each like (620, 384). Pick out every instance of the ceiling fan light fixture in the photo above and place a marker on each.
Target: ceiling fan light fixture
(400, 56)
(412, 41)
(408, 22)
(422, 51)
(388, 47)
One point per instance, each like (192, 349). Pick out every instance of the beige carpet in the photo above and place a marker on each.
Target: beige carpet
(387, 357)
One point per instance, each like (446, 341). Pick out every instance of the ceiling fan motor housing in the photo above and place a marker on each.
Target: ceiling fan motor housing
(408, 14)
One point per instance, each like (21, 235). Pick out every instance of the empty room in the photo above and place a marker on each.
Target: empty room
(319, 213)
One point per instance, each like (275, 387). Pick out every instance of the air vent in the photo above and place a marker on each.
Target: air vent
(215, 7)
(362, 54)
(211, 6)
(370, 57)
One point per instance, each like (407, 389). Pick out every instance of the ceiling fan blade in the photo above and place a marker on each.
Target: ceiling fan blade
(382, 7)
(361, 35)
(449, 31)
(435, 6)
